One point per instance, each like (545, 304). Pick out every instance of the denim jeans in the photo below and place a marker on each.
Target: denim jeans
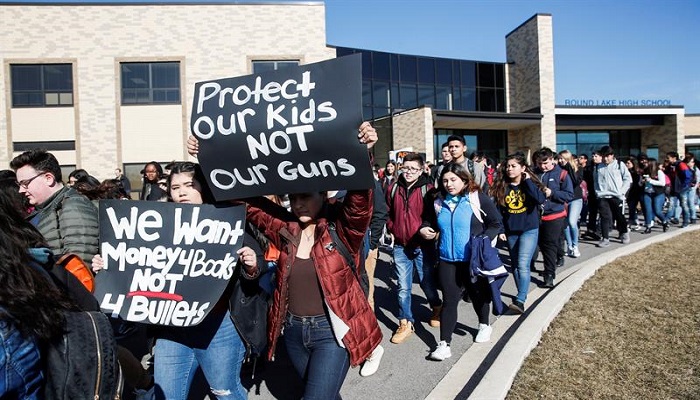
(672, 207)
(521, 248)
(686, 205)
(20, 364)
(214, 346)
(571, 229)
(653, 206)
(318, 359)
(406, 259)
(693, 204)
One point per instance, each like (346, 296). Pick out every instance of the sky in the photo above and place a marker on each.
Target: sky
(603, 50)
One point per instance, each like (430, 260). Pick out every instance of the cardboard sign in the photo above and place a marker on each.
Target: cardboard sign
(166, 263)
(287, 131)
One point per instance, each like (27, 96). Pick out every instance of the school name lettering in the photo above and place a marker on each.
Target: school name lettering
(620, 102)
(290, 115)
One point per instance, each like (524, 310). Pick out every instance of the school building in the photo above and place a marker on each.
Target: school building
(106, 85)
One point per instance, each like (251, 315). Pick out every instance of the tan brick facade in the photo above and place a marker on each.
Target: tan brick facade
(414, 128)
(210, 41)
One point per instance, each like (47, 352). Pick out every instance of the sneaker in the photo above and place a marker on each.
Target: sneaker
(635, 227)
(371, 364)
(435, 318)
(604, 243)
(403, 332)
(484, 334)
(517, 307)
(625, 238)
(442, 351)
(575, 253)
(548, 282)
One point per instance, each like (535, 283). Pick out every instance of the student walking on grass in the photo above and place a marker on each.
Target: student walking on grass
(458, 213)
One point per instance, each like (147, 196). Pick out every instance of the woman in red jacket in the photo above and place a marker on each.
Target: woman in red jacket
(328, 323)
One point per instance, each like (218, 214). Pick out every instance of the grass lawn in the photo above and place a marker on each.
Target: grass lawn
(631, 332)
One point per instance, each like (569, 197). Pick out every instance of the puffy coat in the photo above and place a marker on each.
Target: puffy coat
(340, 287)
(68, 222)
(405, 209)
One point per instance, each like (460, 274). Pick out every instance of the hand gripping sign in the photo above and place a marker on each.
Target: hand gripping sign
(166, 263)
(286, 131)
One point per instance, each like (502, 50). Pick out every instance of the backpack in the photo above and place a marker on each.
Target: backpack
(76, 266)
(395, 187)
(82, 364)
(359, 273)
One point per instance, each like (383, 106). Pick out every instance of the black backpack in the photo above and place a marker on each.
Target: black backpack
(82, 364)
(359, 273)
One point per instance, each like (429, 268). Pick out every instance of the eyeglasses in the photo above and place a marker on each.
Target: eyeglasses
(25, 183)
(410, 169)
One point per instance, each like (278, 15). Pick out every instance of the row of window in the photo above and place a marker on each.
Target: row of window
(51, 85)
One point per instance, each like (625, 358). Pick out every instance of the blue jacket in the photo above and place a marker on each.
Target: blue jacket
(485, 263)
(562, 193)
(21, 376)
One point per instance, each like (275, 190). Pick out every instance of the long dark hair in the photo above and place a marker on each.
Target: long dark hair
(498, 189)
(193, 169)
(652, 168)
(27, 296)
(469, 184)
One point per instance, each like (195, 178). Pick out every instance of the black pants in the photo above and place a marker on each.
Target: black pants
(453, 277)
(592, 219)
(550, 233)
(611, 209)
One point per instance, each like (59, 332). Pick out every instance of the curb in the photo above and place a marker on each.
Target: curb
(490, 369)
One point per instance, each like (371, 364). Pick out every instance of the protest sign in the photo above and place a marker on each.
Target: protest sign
(287, 131)
(166, 263)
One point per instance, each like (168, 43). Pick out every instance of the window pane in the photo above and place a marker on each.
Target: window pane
(381, 94)
(367, 64)
(500, 76)
(128, 96)
(165, 75)
(51, 99)
(426, 95)
(26, 77)
(468, 72)
(394, 67)
(263, 66)
(442, 97)
(443, 71)
(408, 96)
(58, 77)
(380, 66)
(134, 75)
(395, 96)
(487, 100)
(407, 64)
(286, 64)
(500, 100)
(468, 99)
(65, 99)
(426, 70)
(366, 93)
(485, 73)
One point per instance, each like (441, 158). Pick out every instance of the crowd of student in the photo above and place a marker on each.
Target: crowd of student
(441, 223)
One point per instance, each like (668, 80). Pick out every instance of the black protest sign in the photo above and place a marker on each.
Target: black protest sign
(287, 131)
(166, 263)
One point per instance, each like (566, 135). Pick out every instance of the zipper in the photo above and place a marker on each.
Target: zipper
(120, 384)
(99, 357)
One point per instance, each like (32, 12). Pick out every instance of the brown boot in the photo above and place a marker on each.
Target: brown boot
(403, 332)
(435, 319)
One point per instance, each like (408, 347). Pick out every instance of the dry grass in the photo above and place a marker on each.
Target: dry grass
(631, 332)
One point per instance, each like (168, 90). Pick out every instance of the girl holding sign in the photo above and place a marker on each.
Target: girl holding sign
(328, 322)
(215, 345)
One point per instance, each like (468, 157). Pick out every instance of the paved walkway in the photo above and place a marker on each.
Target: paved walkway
(475, 371)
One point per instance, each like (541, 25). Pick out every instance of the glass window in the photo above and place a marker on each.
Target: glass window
(467, 99)
(468, 73)
(426, 95)
(380, 92)
(394, 67)
(150, 83)
(272, 65)
(500, 100)
(443, 98)
(426, 70)
(407, 64)
(395, 96)
(500, 75)
(380, 66)
(42, 85)
(443, 71)
(485, 74)
(366, 93)
(408, 97)
(487, 100)
(367, 64)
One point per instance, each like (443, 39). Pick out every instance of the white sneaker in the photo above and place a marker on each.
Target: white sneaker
(484, 334)
(371, 364)
(575, 253)
(441, 352)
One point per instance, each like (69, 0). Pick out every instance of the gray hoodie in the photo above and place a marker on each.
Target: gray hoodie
(612, 180)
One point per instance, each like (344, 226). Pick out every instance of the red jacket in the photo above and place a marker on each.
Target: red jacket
(406, 210)
(341, 289)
